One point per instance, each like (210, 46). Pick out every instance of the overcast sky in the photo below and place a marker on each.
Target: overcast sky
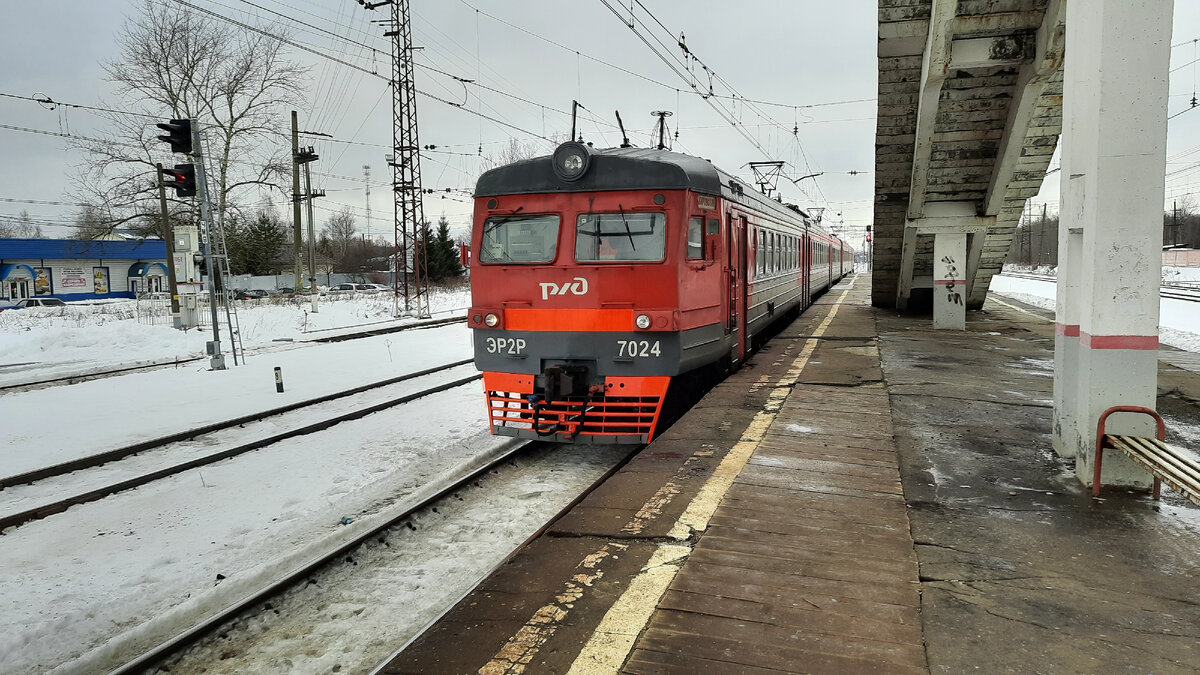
(811, 64)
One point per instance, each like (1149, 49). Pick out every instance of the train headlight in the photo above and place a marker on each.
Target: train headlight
(491, 320)
(642, 321)
(571, 161)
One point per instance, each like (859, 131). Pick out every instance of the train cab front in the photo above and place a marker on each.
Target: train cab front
(575, 293)
(553, 384)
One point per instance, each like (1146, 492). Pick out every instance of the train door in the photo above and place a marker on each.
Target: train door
(736, 264)
(829, 261)
(806, 268)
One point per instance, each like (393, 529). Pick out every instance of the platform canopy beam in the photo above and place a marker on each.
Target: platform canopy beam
(969, 112)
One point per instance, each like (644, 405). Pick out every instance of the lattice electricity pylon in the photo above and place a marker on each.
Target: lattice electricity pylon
(406, 165)
(766, 175)
(406, 170)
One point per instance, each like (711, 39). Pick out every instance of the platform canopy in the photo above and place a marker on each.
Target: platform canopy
(970, 110)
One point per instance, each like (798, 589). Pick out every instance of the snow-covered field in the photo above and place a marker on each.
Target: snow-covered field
(76, 581)
(41, 342)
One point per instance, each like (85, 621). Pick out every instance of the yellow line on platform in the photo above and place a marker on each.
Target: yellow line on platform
(614, 638)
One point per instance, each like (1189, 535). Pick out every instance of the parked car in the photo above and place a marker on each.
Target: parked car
(357, 288)
(250, 294)
(36, 302)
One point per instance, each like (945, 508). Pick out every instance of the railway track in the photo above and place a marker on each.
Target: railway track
(393, 525)
(387, 330)
(58, 505)
(76, 378)
(1173, 291)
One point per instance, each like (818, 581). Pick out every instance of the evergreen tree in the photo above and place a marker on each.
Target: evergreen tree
(255, 246)
(448, 257)
(441, 253)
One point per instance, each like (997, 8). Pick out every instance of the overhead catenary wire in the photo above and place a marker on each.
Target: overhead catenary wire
(356, 67)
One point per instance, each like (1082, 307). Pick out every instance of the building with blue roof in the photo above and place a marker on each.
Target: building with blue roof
(73, 269)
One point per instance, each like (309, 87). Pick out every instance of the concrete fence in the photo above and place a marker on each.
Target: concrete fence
(1181, 258)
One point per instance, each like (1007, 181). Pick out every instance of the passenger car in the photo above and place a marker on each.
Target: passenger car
(36, 302)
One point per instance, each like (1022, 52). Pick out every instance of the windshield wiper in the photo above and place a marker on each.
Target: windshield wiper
(502, 221)
(628, 232)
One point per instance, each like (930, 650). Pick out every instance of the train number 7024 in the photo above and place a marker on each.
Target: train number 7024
(638, 348)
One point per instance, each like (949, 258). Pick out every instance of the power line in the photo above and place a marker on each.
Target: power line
(46, 100)
(323, 55)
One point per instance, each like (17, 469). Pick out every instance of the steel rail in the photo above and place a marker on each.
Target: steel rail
(123, 452)
(178, 643)
(61, 505)
(98, 374)
(633, 450)
(390, 329)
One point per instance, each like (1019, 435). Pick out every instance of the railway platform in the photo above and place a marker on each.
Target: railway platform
(865, 494)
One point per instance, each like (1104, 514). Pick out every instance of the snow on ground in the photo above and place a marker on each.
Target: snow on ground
(41, 342)
(1179, 320)
(76, 580)
(1169, 274)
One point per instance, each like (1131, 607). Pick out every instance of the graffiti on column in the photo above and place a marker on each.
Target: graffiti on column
(951, 280)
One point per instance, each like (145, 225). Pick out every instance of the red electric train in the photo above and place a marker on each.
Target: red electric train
(597, 276)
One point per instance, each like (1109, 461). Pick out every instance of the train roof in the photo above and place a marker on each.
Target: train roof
(632, 169)
(611, 169)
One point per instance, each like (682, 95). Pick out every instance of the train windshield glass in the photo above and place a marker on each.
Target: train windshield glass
(620, 237)
(519, 239)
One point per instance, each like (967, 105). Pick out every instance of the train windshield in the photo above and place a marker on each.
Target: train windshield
(519, 239)
(620, 237)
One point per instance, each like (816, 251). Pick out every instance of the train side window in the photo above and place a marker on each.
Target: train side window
(760, 254)
(695, 238)
(519, 239)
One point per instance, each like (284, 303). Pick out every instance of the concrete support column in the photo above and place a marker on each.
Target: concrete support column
(1114, 158)
(950, 281)
(1067, 437)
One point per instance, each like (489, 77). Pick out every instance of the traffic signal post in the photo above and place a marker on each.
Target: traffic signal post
(217, 359)
(169, 238)
(190, 180)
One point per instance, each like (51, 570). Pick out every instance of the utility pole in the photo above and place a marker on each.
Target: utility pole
(1042, 238)
(296, 232)
(169, 238)
(367, 186)
(1026, 232)
(1174, 223)
(307, 157)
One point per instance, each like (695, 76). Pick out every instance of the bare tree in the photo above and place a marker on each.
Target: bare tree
(20, 227)
(515, 151)
(340, 231)
(177, 63)
(92, 222)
